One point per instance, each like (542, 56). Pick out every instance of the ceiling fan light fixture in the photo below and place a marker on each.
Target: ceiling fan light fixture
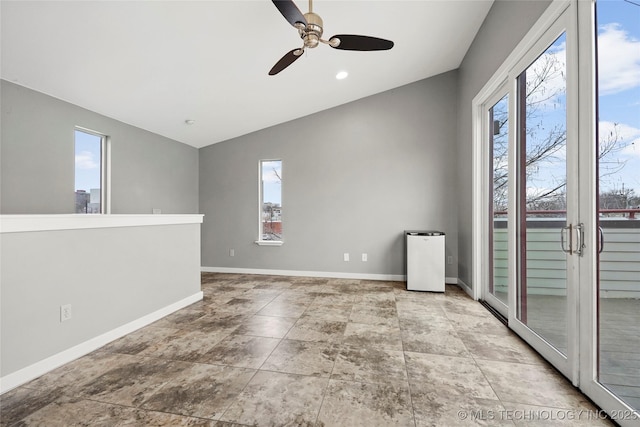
(342, 75)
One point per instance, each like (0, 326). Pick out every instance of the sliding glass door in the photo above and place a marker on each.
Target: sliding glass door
(544, 218)
(557, 203)
(497, 134)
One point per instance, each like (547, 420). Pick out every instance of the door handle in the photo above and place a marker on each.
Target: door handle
(580, 237)
(563, 241)
(600, 240)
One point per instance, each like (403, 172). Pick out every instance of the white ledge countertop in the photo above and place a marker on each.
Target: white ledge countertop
(28, 223)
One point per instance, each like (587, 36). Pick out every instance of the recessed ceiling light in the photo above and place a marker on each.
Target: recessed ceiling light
(342, 75)
(189, 122)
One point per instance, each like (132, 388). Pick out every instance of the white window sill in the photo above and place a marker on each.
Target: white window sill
(269, 242)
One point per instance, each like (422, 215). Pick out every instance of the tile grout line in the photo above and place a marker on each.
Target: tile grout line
(406, 368)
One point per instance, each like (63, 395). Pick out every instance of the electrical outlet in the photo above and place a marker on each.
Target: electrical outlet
(346, 256)
(232, 252)
(156, 211)
(449, 260)
(65, 312)
(364, 257)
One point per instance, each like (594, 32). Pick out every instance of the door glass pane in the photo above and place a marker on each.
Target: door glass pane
(499, 142)
(618, 42)
(542, 175)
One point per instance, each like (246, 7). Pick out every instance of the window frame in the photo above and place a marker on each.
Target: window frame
(105, 168)
(260, 241)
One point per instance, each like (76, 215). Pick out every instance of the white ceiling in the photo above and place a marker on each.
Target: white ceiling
(155, 64)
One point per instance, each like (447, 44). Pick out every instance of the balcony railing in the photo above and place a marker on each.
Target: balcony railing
(619, 265)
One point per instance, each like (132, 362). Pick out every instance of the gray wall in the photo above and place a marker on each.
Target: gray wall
(128, 273)
(504, 27)
(37, 157)
(354, 177)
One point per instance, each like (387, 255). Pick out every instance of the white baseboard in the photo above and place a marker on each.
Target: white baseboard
(327, 274)
(299, 273)
(37, 369)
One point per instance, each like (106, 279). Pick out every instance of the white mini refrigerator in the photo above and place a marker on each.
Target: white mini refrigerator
(425, 260)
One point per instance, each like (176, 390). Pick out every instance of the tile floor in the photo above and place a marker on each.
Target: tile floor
(292, 351)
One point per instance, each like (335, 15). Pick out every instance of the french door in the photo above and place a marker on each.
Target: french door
(546, 232)
(559, 231)
(531, 219)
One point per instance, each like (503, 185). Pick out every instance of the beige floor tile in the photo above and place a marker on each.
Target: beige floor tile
(477, 324)
(67, 379)
(241, 351)
(187, 345)
(277, 399)
(378, 336)
(204, 391)
(140, 340)
(374, 315)
(100, 414)
(21, 402)
(540, 416)
(284, 308)
(356, 404)
(448, 375)
(132, 381)
(507, 348)
(531, 384)
(426, 335)
(434, 408)
(338, 312)
(371, 365)
(309, 328)
(302, 357)
(266, 326)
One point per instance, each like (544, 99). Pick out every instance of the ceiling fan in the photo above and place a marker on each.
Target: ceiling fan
(310, 29)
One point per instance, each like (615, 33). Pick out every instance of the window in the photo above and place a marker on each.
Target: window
(270, 194)
(90, 148)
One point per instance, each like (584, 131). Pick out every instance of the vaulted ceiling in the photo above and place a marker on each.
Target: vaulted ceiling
(156, 64)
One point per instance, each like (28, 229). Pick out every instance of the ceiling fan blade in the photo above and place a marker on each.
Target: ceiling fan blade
(354, 42)
(285, 61)
(290, 11)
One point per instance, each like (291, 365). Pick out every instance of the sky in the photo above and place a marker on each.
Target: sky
(618, 32)
(87, 158)
(272, 184)
(619, 85)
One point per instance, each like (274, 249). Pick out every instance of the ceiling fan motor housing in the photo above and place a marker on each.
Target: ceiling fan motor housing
(312, 33)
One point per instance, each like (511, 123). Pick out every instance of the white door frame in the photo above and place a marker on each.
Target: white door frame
(581, 365)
